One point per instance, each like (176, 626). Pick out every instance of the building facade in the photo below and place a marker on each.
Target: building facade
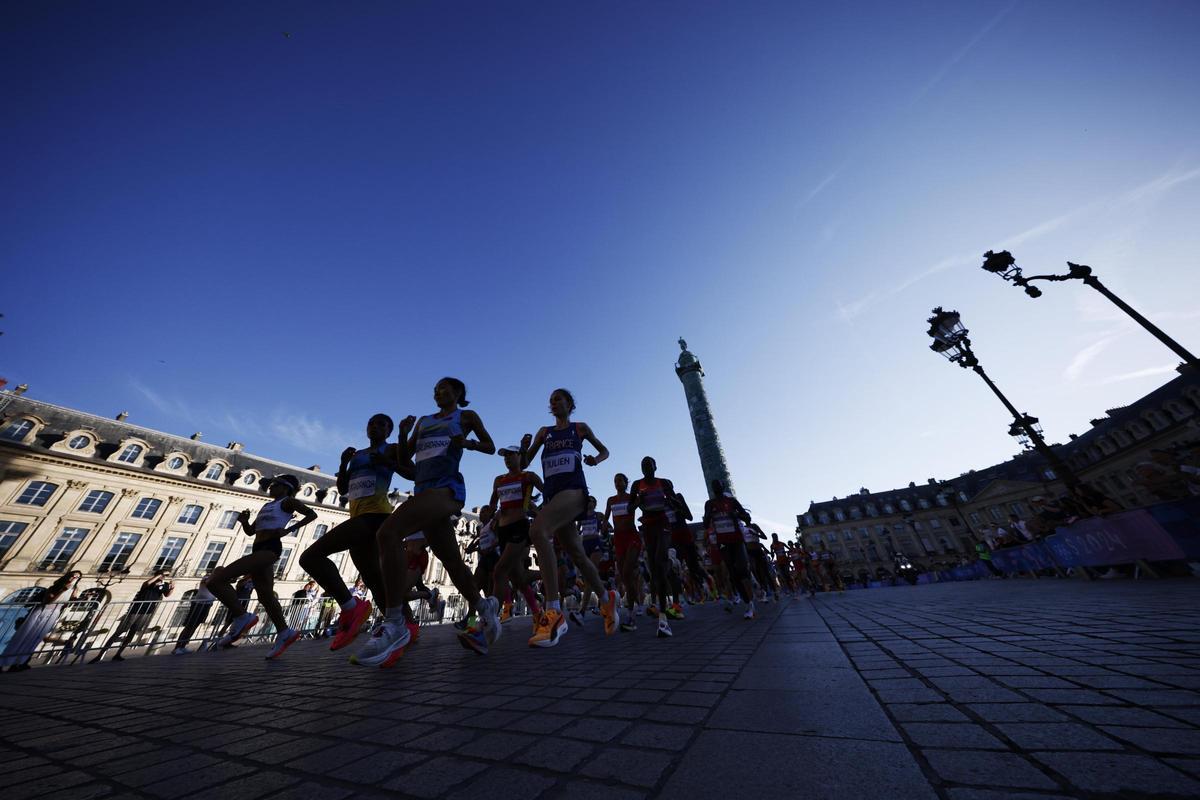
(117, 502)
(937, 523)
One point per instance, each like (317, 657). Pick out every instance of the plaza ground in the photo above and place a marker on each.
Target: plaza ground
(976, 690)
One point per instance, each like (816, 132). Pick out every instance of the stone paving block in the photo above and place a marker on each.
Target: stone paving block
(987, 768)
(1035, 682)
(504, 782)
(926, 712)
(1158, 740)
(834, 713)
(563, 756)
(635, 767)
(687, 715)
(919, 695)
(1157, 697)
(543, 724)
(1119, 772)
(952, 734)
(434, 777)
(175, 787)
(498, 745)
(374, 769)
(989, 794)
(312, 791)
(250, 787)
(1056, 736)
(815, 769)
(595, 730)
(59, 783)
(658, 737)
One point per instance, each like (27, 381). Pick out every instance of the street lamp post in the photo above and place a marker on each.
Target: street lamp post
(1004, 265)
(950, 340)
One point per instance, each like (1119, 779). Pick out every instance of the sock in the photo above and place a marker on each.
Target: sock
(556, 605)
(349, 604)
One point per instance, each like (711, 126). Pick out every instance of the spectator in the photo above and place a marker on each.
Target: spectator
(141, 613)
(985, 555)
(1162, 477)
(202, 602)
(1095, 502)
(1019, 529)
(38, 622)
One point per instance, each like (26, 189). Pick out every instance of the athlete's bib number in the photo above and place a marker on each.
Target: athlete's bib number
(510, 493)
(590, 529)
(724, 525)
(620, 509)
(559, 463)
(431, 447)
(362, 486)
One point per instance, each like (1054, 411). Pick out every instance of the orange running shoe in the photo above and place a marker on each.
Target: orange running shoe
(609, 611)
(549, 629)
(350, 622)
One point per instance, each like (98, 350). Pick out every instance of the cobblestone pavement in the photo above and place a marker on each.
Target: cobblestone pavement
(998, 688)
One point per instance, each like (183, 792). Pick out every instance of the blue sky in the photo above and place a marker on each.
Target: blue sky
(267, 238)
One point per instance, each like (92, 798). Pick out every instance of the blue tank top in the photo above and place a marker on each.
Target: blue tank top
(368, 484)
(434, 457)
(562, 460)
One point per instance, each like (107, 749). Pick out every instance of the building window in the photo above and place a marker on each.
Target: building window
(308, 490)
(147, 507)
(131, 453)
(916, 525)
(962, 496)
(211, 557)
(954, 523)
(923, 503)
(997, 513)
(320, 531)
(214, 472)
(16, 431)
(823, 518)
(169, 554)
(37, 493)
(63, 549)
(1016, 508)
(282, 564)
(942, 501)
(96, 501)
(175, 463)
(934, 522)
(1050, 476)
(888, 508)
(228, 520)
(907, 506)
(331, 498)
(975, 518)
(855, 512)
(249, 478)
(9, 531)
(190, 515)
(79, 442)
(118, 554)
(863, 533)
(848, 536)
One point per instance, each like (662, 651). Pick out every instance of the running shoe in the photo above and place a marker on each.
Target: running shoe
(180, 651)
(628, 627)
(489, 618)
(385, 647)
(639, 610)
(283, 641)
(350, 623)
(414, 630)
(749, 612)
(550, 629)
(575, 617)
(651, 610)
(674, 612)
(464, 623)
(610, 610)
(506, 613)
(664, 628)
(240, 627)
(474, 639)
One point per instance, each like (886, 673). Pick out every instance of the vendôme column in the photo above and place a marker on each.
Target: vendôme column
(708, 444)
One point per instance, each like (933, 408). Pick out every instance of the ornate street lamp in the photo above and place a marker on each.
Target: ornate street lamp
(1004, 265)
(1018, 430)
(950, 339)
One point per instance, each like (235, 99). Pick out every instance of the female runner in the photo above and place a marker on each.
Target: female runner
(437, 444)
(654, 496)
(627, 547)
(593, 527)
(723, 513)
(268, 530)
(512, 494)
(566, 501)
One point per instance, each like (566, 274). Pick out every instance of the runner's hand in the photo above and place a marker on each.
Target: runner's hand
(590, 460)
(406, 426)
(526, 441)
(348, 454)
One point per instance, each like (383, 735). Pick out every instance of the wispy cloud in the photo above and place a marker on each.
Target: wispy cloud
(962, 52)
(1147, 192)
(820, 187)
(1085, 357)
(1141, 373)
(308, 433)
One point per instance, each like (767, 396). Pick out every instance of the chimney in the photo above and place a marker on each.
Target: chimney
(124, 415)
(933, 481)
(315, 468)
(912, 484)
(236, 447)
(196, 436)
(22, 389)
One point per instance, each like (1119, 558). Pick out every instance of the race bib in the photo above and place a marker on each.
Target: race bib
(654, 501)
(559, 463)
(362, 486)
(431, 447)
(724, 525)
(590, 528)
(510, 493)
(620, 509)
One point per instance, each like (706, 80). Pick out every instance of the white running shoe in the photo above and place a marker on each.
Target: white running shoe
(390, 637)
(749, 612)
(283, 641)
(489, 616)
(664, 628)
(240, 627)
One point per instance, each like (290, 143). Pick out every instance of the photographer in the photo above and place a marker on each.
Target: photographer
(141, 613)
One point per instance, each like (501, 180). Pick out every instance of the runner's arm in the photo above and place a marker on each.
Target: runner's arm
(530, 445)
(601, 450)
(473, 424)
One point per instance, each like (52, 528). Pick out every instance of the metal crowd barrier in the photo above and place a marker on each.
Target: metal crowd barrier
(78, 630)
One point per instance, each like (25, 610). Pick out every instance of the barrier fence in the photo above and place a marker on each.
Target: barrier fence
(1143, 536)
(71, 631)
